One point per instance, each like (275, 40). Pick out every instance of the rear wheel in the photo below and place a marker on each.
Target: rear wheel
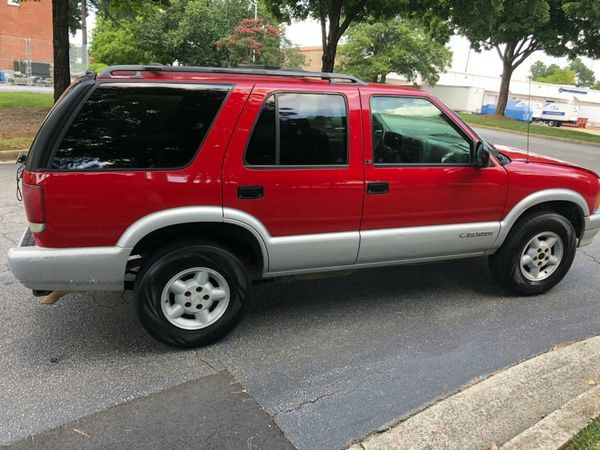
(536, 255)
(191, 294)
(551, 123)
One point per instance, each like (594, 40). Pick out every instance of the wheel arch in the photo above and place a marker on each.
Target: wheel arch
(207, 222)
(566, 202)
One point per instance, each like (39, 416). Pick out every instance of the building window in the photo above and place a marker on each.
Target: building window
(13, 2)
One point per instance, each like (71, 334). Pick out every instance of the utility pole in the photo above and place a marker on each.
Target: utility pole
(255, 3)
(28, 56)
(84, 36)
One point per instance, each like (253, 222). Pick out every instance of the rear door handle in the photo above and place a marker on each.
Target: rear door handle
(250, 192)
(380, 187)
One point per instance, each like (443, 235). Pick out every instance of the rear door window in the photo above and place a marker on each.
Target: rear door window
(300, 129)
(124, 126)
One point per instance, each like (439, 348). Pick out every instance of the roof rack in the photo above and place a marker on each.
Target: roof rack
(276, 72)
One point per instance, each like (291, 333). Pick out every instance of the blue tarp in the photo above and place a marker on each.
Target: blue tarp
(516, 110)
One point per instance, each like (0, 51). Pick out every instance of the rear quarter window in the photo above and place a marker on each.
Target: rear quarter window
(139, 127)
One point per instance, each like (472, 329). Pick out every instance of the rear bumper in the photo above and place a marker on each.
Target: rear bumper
(68, 269)
(592, 228)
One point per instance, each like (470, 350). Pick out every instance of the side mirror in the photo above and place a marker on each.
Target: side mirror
(482, 155)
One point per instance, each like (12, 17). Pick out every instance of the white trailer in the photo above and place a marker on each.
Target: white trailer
(554, 114)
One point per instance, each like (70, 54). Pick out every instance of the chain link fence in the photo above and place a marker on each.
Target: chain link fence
(25, 61)
(28, 61)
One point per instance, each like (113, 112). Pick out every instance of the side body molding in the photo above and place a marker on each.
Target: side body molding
(548, 195)
(331, 251)
(291, 253)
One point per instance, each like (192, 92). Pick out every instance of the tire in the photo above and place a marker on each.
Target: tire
(517, 273)
(551, 123)
(204, 280)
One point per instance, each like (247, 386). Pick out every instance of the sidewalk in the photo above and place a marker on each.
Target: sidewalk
(538, 404)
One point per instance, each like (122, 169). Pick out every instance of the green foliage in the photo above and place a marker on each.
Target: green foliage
(336, 16)
(588, 438)
(517, 28)
(116, 43)
(25, 100)
(576, 73)
(559, 76)
(375, 48)
(184, 32)
(97, 67)
(540, 70)
(585, 75)
(255, 41)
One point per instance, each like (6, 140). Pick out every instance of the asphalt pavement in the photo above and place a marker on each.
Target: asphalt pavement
(586, 155)
(329, 360)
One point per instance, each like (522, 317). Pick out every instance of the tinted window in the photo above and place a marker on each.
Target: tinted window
(262, 146)
(139, 127)
(300, 129)
(414, 131)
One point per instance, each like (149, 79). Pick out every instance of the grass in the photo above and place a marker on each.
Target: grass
(539, 130)
(15, 143)
(588, 438)
(25, 100)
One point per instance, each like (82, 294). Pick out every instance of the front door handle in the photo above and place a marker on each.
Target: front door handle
(379, 187)
(250, 192)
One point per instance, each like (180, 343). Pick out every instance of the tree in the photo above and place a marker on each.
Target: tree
(576, 73)
(375, 48)
(559, 76)
(540, 70)
(184, 32)
(517, 28)
(254, 41)
(115, 43)
(585, 75)
(60, 46)
(336, 16)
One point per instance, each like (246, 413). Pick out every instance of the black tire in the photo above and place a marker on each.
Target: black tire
(506, 262)
(172, 260)
(551, 123)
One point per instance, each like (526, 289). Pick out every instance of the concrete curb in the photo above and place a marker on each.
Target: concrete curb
(533, 135)
(495, 410)
(557, 430)
(10, 155)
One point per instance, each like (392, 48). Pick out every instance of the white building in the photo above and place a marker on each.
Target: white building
(466, 92)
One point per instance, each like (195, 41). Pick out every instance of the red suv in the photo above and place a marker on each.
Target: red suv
(185, 184)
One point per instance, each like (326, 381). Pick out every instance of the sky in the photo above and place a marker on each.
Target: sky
(308, 34)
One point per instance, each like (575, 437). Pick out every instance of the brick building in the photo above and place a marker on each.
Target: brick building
(25, 34)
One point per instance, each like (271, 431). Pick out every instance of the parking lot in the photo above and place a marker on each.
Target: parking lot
(329, 359)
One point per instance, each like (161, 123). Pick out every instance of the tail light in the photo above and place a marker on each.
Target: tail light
(33, 197)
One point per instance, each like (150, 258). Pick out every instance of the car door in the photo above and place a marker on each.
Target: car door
(294, 172)
(425, 198)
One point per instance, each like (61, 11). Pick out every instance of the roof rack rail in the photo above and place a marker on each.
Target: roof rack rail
(293, 73)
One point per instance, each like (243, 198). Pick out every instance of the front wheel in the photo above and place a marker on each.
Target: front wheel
(191, 294)
(536, 255)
